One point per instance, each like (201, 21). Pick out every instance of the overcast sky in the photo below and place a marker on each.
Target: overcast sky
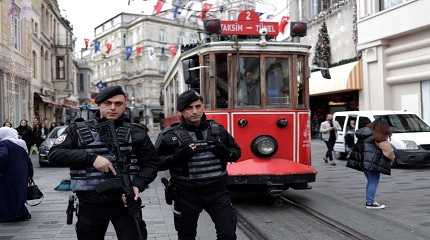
(85, 15)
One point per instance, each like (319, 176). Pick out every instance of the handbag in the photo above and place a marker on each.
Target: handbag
(33, 191)
(355, 159)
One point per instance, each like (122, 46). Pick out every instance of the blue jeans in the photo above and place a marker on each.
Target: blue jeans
(372, 184)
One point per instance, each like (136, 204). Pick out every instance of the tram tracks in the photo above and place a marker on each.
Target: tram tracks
(332, 223)
(293, 221)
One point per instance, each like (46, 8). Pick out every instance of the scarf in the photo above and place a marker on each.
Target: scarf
(10, 134)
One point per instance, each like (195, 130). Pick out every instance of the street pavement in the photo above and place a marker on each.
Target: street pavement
(337, 193)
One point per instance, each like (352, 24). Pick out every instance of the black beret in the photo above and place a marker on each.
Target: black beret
(186, 98)
(109, 92)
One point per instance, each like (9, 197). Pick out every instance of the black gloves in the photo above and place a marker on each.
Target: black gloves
(183, 153)
(221, 151)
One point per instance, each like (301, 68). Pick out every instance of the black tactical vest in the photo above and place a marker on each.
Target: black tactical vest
(204, 165)
(89, 140)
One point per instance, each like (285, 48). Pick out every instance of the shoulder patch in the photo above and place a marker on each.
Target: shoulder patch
(60, 139)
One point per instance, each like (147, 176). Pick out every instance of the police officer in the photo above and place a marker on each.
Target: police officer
(196, 152)
(91, 163)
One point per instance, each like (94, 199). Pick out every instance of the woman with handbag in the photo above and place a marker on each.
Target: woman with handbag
(376, 154)
(15, 171)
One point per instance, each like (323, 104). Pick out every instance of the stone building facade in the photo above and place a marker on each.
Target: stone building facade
(142, 73)
(15, 55)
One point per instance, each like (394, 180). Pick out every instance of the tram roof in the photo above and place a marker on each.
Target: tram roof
(244, 46)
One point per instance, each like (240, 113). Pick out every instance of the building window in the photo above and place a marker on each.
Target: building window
(162, 35)
(34, 64)
(16, 27)
(386, 4)
(81, 82)
(60, 67)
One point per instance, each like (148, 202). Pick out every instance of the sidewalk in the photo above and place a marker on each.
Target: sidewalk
(339, 192)
(49, 219)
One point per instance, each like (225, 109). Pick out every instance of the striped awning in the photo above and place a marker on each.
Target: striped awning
(344, 78)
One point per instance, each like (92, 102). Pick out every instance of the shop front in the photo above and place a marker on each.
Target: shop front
(340, 93)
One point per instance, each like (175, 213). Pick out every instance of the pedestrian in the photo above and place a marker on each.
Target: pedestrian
(36, 133)
(15, 171)
(25, 132)
(350, 136)
(7, 124)
(44, 129)
(87, 153)
(328, 131)
(377, 154)
(196, 153)
(52, 126)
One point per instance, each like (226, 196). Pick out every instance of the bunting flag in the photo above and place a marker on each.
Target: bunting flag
(96, 46)
(205, 10)
(176, 5)
(86, 41)
(26, 9)
(173, 50)
(158, 6)
(188, 9)
(283, 23)
(128, 52)
(139, 51)
(108, 47)
(151, 53)
(13, 11)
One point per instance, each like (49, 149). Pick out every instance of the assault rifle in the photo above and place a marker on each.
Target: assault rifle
(122, 181)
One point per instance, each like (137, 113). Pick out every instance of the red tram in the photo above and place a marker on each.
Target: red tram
(259, 92)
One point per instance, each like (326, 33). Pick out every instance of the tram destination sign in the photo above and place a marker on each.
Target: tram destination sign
(248, 23)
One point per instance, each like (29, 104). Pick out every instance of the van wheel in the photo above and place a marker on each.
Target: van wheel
(340, 155)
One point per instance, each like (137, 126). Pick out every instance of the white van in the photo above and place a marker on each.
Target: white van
(411, 135)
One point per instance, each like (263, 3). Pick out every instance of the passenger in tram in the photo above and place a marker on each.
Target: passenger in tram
(196, 153)
(249, 89)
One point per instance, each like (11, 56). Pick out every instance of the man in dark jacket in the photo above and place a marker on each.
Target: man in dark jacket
(83, 148)
(25, 132)
(196, 152)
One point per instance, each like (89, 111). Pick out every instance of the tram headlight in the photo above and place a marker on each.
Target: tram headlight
(264, 146)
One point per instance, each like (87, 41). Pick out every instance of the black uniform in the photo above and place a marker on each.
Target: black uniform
(78, 148)
(198, 176)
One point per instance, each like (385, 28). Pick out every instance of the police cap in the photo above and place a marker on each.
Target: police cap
(109, 92)
(186, 98)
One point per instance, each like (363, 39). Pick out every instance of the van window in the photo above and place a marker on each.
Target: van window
(363, 121)
(352, 122)
(402, 123)
(340, 120)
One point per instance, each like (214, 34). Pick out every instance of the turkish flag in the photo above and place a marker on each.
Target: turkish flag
(108, 47)
(283, 23)
(158, 6)
(87, 41)
(205, 9)
(173, 50)
(139, 51)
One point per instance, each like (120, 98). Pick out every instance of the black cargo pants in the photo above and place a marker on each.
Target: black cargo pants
(215, 200)
(93, 221)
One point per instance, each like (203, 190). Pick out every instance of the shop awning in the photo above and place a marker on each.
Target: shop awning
(344, 78)
(46, 99)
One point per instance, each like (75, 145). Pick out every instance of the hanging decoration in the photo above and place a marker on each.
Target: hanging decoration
(173, 50)
(26, 9)
(128, 52)
(176, 5)
(322, 51)
(151, 53)
(96, 46)
(158, 6)
(87, 42)
(13, 10)
(188, 9)
(108, 48)
(139, 51)
(205, 9)
(283, 23)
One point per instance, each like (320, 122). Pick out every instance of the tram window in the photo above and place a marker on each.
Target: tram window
(248, 86)
(191, 77)
(207, 88)
(221, 81)
(278, 81)
(300, 82)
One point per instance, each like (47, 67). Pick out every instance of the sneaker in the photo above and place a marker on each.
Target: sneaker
(333, 164)
(325, 159)
(375, 205)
